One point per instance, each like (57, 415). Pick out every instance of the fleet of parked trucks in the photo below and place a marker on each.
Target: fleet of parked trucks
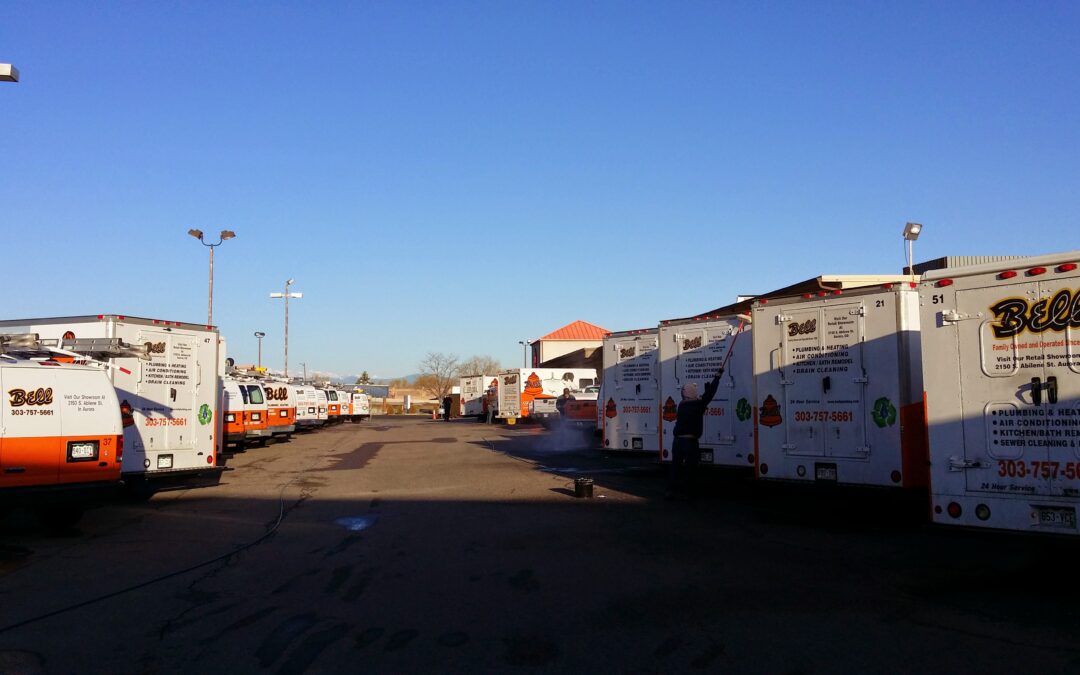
(961, 384)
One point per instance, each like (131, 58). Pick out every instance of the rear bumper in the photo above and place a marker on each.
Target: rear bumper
(170, 475)
(258, 433)
(283, 429)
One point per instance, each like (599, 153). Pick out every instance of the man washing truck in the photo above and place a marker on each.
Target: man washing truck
(689, 425)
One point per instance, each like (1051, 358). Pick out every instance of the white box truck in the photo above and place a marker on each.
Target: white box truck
(473, 390)
(691, 351)
(1001, 357)
(519, 386)
(628, 399)
(170, 400)
(838, 383)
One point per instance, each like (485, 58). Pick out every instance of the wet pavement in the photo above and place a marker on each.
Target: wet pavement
(410, 545)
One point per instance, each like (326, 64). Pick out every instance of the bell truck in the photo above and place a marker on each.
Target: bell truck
(1001, 356)
(169, 398)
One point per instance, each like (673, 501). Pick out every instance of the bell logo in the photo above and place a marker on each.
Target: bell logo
(1016, 315)
(804, 328)
(532, 385)
(610, 410)
(155, 347)
(21, 397)
(769, 415)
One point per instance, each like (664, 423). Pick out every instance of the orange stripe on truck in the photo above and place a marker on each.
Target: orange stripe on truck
(915, 445)
(43, 460)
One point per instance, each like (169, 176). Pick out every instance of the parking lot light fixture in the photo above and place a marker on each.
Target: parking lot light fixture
(286, 295)
(225, 235)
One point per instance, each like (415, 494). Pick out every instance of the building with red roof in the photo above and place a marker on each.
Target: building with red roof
(573, 337)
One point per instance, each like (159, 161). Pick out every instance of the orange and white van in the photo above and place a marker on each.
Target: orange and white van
(280, 408)
(234, 413)
(333, 406)
(246, 413)
(61, 434)
(169, 387)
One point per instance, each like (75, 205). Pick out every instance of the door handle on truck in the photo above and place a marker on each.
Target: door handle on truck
(826, 384)
(1036, 391)
(1051, 389)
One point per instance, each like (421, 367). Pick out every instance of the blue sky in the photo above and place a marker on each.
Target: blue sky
(459, 176)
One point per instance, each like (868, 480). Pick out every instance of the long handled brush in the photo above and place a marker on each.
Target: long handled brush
(744, 320)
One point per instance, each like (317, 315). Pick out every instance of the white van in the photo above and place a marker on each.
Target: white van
(361, 406)
(307, 407)
(171, 394)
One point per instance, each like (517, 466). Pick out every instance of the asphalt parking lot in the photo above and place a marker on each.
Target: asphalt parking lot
(406, 545)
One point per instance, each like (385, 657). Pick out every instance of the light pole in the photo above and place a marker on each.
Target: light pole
(8, 73)
(524, 353)
(911, 233)
(305, 370)
(224, 236)
(288, 295)
(259, 335)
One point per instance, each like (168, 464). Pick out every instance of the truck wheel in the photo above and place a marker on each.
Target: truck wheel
(60, 516)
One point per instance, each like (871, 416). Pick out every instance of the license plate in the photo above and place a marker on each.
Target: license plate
(283, 413)
(706, 456)
(164, 461)
(83, 451)
(1056, 517)
(825, 472)
(255, 416)
(637, 444)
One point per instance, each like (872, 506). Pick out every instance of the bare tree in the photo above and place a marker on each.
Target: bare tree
(438, 372)
(478, 365)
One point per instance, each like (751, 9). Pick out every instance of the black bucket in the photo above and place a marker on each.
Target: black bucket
(583, 488)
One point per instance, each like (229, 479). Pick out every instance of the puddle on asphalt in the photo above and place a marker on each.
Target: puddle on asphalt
(356, 523)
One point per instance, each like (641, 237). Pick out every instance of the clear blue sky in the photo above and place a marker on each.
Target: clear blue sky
(458, 176)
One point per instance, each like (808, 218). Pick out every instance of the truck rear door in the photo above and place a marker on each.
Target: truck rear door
(167, 390)
(31, 443)
(1022, 427)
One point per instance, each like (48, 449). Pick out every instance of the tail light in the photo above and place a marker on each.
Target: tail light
(119, 448)
(125, 414)
(954, 509)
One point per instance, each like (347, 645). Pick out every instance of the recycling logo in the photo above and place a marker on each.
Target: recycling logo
(884, 412)
(743, 410)
(205, 415)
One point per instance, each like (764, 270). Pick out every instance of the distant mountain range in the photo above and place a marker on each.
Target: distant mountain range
(351, 379)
